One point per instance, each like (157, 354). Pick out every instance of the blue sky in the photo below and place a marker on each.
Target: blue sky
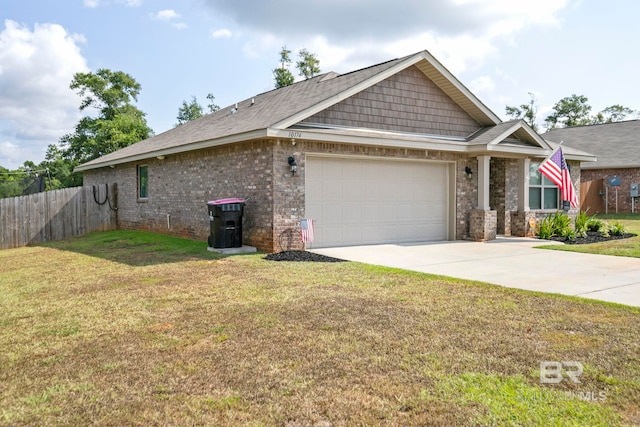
(500, 49)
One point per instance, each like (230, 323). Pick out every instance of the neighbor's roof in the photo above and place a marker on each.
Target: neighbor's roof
(270, 114)
(616, 145)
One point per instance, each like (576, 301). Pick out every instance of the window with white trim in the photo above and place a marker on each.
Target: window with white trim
(143, 182)
(543, 194)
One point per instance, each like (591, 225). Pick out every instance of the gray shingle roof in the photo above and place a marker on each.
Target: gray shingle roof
(268, 108)
(267, 113)
(488, 134)
(614, 144)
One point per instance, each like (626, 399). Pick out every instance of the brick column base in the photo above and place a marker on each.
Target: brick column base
(483, 225)
(520, 223)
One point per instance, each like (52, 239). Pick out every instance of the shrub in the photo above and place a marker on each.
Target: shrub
(616, 229)
(545, 228)
(561, 223)
(558, 224)
(568, 233)
(582, 221)
(595, 224)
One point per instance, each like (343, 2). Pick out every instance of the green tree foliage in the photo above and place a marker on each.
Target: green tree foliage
(612, 114)
(189, 111)
(60, 169)
(212, 106)
(283, 77)
(574, 111)
(118, 123)
(526, 112)
(308, 65)
(193, 110)
(9, 183)
(570, 111)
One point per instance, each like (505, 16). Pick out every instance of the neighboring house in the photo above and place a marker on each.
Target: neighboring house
(397, 152)
(617, 149)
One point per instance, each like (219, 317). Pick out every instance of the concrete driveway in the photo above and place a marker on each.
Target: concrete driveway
(511, 262)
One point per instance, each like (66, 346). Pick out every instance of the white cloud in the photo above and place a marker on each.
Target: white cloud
(482, 85)
(166, 14)
(10, 155)
(222, 33)
(37, 105)
(91, 3)
(462, 34)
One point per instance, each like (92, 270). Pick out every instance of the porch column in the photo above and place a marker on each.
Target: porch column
(483, 222)
(483, 183)
(522, 219)
(523, 184)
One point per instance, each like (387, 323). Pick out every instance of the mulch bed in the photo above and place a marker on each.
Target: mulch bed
(592, 237)
(300, 256)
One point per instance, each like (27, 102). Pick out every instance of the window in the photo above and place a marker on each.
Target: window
(143, 182)
(543, 194)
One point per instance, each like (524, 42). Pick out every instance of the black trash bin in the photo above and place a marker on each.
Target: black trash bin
(225, 219)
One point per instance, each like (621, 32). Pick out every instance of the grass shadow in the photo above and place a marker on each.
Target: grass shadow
(136, 248)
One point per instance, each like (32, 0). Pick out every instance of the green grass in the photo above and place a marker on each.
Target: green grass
(126, 328)
(623, 247)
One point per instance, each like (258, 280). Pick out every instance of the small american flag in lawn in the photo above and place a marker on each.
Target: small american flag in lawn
(306, 230)
(555, 168)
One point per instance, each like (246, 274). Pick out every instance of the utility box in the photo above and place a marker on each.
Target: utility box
(225, 220)
(635, 191)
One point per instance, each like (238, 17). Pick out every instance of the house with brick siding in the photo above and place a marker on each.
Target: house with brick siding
(617, 150)
(396, 152)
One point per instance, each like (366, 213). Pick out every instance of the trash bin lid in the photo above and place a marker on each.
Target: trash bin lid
(225, 201)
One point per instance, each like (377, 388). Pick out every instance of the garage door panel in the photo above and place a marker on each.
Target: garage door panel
(362, 201)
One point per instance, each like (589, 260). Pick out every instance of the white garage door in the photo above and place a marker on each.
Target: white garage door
(363, 201)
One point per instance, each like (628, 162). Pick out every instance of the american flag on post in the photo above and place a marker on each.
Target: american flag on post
(555, 168)
(306, 230)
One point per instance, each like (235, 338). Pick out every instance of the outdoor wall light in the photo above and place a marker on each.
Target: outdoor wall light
(468, 171)
(293, 165)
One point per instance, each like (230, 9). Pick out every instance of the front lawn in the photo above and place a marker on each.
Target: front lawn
(623, 247)
(124, 328)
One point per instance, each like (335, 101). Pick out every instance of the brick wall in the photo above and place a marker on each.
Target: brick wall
(181, 185)
(627, 177)
(483, 225)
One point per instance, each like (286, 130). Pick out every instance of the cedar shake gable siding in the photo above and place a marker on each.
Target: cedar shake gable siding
(405, 102)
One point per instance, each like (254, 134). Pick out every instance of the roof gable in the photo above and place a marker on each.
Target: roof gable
(404, 102)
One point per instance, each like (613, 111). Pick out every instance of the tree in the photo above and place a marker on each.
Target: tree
(570, 111)
(60, 169)
(283, 77)
(612, 114)
(308, 65)
(118, 123)
(526, 112)
(212, 106)
(192, 110)
(189, 112)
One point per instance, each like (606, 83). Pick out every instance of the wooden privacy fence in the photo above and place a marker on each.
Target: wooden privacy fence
(591, 196)
(56, 215)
